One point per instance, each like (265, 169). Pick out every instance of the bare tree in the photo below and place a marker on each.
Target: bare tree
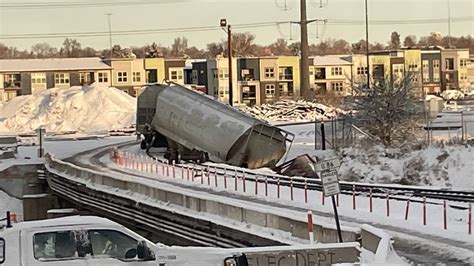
(242, 44)
(214, 49)
(280, 47)
(394, 40)
(71, 48)
(409, 41)
(179, 46)
(386, 110)
(43, 50)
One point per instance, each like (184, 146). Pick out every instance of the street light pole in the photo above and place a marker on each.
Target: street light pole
(229, 56)
(304, 68)
(367, 43)
(109, 23)
(224, 24)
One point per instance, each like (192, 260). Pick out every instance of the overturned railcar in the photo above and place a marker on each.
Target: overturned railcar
(190, 123)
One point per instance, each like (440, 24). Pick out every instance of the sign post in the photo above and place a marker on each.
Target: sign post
(328, 173)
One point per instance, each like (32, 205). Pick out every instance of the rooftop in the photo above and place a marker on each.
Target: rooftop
(52, 64)
(328, 61)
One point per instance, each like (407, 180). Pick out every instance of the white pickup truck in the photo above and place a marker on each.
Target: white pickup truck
(94, 241)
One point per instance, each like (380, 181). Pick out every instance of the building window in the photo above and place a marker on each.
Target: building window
(436, 76)
(463, 62)
(463, 77)
(435, 63)
(103, 77)
(337, 86)
(194, 75)
(38, 78)
(269, 90)
(412, 67)
(215, 73)
(426, 70)
(223, 73)
(137, 77)
(361, 70)
(61, 78)
(336, 71)
(269, 72)
(449, 63)
(84, 78)
(122, 77)
(285, 73)
(176, 75)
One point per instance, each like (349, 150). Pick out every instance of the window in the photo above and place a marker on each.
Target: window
(176, 75)
(38, 78)
(194, 75)
(215, 73)
(320, 73)
(426, 70)
(55, 245)
(361, 70)
(122, 77)
(84, 78)
(269, 90)
(61, 78)
(435, 63)
(223, 73)
(436, 76)
(136, 76)
(412, 67)
(269, 72)
(463, 76)
(463, 62)
(337, 86)
(336, 71)
(103, 77)
(449, 63)
(285, 73)
(112, 244)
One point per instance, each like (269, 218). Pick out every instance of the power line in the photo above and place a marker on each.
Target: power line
(48, 5)
(334, 22)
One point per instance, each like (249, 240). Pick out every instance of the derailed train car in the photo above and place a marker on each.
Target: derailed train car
(195, 126)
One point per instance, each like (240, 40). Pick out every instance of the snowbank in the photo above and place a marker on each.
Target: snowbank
(79, 108)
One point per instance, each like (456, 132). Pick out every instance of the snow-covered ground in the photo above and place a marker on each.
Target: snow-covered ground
(79, 108)
(8, 203)
(438, 165)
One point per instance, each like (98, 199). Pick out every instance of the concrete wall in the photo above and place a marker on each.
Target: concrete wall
(298, 228)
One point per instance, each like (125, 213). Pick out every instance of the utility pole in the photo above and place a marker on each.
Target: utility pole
(367, 43)
(224, 24)
(304, 65)
(109, 23)
(229, 55)
(449, 23)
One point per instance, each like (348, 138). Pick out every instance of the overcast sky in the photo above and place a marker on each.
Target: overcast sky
(193, 13)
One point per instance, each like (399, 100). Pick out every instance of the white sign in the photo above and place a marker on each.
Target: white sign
(330, 182)
(326, 165)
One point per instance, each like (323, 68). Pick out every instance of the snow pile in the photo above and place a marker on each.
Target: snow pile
(289, 110)
(445, 166)
(84, 109)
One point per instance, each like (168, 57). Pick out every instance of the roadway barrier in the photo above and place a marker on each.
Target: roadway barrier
(220, 206)
(233, 180)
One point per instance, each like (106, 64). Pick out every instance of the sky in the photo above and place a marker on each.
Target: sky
(165, 14)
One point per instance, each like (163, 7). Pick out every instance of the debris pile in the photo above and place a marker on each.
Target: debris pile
(289, 110)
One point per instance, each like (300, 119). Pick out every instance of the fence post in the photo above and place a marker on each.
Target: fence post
(406, 209)
(305, 191)
(266, 186)
(424, 210)
(235, 180)
(310, 227)
(469, 219)
(208, 176)
(202, 176)
(291, 188)
(353, 197)
(243, 181)
(322, 197)
(388, 204)
(174, 171)
(215, 177)
(337, 200)
(370, 200)
(445, 222)
(278, 187)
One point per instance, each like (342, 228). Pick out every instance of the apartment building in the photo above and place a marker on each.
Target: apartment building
(154, 70)
(174, 70)
(248, 81)
(431, 70)
(269, 77)
(128, 74)
(218, 79)
(330, 74)
(29, 76)
(289, 77)
(454, 69)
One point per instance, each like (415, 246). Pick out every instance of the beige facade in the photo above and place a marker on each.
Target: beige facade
(128, 74)
(330, 75)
